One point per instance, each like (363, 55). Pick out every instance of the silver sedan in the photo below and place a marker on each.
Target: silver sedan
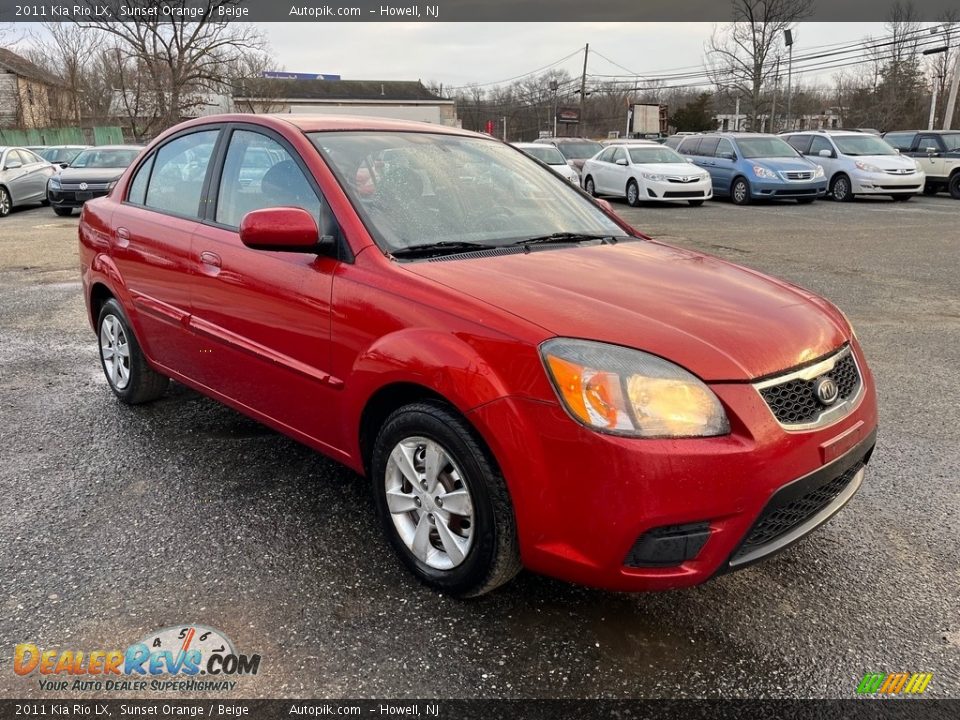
(23, 178)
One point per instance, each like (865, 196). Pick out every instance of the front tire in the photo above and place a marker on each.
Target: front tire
(840, 189)
(589, 187)
(6, 204)
(740, 192)
(442, 501)
(63, 211)
(633, 193)
(954, 186)
(132, 380)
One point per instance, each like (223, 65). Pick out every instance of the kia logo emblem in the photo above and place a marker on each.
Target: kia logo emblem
(826, 390)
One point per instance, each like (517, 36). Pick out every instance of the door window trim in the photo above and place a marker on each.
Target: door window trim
(152, 154)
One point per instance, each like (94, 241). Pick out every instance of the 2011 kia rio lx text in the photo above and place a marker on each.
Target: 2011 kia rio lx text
(524, 378)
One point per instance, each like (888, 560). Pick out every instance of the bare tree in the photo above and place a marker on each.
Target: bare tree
(741, 56)
(181, 54)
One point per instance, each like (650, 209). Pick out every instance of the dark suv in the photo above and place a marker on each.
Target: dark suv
(937, 151)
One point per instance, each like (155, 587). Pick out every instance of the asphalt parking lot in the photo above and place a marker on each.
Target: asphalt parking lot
(117, 521)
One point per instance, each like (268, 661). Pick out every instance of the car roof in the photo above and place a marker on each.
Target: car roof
(527, 145)
(827, 132)
(112, 147)
(563, 140)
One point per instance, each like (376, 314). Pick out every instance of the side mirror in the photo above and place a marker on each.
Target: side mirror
(287, 229)
(621, 161)
(728, 156)
(897, 150)
(13, 165)
(825, 153)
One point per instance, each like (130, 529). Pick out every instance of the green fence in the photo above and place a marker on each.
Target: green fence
(105, 135)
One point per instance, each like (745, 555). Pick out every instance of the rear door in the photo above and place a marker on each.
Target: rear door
(721, 173)
(262, 318)
(153, 227)
(35, 178)
(601, 170)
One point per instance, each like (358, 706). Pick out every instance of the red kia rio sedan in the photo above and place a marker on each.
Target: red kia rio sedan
(525, 379)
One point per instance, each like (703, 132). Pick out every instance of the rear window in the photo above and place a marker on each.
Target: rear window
(546, 153)
(579, 150)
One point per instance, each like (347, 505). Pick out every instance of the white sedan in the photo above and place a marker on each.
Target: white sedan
(551, 156)
(645, 172)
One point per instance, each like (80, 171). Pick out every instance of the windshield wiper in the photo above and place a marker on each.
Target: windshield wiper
(443, 247)
(565, 237)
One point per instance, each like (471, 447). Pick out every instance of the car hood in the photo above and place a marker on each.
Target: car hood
(782, 164)
(886, 162)
(718, 320)
(89, 174)
(683, 168)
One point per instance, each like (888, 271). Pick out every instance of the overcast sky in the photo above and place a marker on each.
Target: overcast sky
(460, 53)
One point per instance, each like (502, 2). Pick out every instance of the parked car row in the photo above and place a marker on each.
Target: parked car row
(63, 176)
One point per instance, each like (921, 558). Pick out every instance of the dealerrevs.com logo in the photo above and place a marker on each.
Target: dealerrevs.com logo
(894, 683)
(185, 658)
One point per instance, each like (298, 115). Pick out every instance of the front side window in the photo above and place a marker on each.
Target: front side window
(821, 143)
(928, 143)
(179, 170)
(259, 173)
(416, 189)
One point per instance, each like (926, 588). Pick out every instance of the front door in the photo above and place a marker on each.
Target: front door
(262, 318)
(932, 156)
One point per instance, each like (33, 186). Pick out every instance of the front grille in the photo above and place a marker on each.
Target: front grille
(901, 171)
(778, 519)
(795, 402)
(798, 174)
(90, 186)
(683, 179)
(683, 194)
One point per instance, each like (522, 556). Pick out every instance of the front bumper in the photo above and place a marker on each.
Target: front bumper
(666, 190)
(584, 500)
(775, 189)
(72, 198)
(886, 184)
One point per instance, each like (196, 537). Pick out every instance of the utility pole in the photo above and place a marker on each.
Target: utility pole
(773, 105)
(736, 116)
(933, 101)
(583, 86)
(788, 39)
(554, 85)
(504, 128)
(952, 101)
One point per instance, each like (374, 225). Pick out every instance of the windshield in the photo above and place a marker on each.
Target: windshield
(765, 147)
(862, 145)
(60, 155)
(952, 141)
(415, 189)
(546, 153)
(104, 158)
(659, 154)
(580, 150)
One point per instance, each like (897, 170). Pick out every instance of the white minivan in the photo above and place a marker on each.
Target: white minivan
(858, 163)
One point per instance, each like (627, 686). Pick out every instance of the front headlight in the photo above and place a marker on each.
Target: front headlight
(818, 172)
(762, 172)
(656, 177)
(867, 167)
(54, 182)
(628, 392)
(918, 165)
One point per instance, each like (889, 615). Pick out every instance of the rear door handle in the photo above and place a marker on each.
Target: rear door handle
(210, 262)
(123, 237)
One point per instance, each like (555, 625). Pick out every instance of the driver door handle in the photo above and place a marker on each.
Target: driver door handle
(210, 262)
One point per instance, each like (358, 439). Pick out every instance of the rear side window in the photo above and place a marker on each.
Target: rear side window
(259, 173)
(708, 146)
(607, 155)
(138, 187)
(690, 146)
(179, 170)
(901, 141)
(800, 143)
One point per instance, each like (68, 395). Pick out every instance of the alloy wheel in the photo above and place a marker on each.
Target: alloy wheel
(115, 351)
(841, 189)
(740, 192)
(589, 187)
(633, 194)
(4, 202)
(429, 502)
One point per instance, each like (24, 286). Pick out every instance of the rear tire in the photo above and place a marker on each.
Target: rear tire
(63, 211)
(132, 380)
(588, 186)
(740, 191)
(462, 466)
(840, 188)
(954, 185)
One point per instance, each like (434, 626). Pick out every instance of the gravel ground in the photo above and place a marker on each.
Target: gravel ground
(117, 521)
